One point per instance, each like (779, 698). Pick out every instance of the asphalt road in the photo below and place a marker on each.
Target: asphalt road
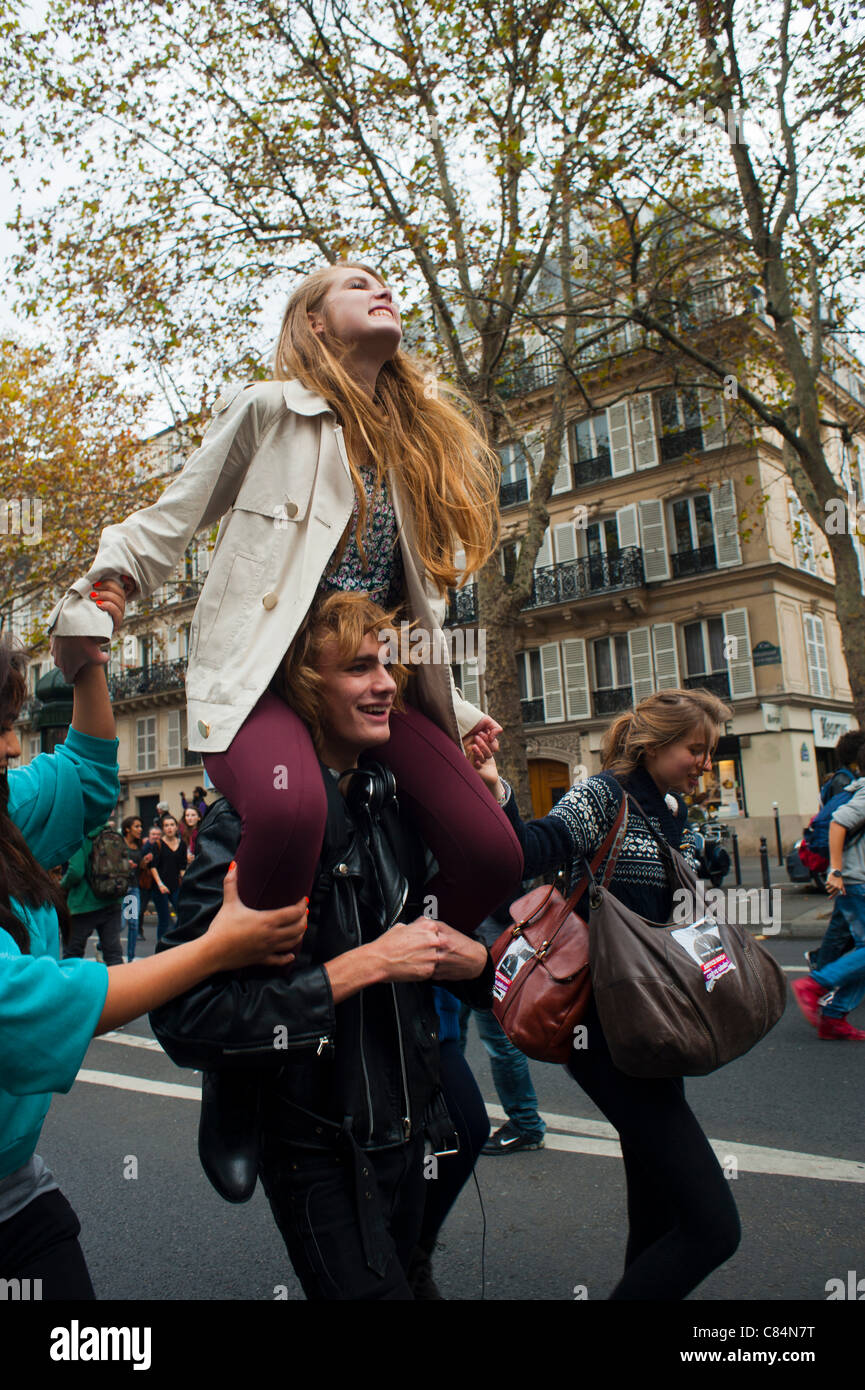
(153, 1228)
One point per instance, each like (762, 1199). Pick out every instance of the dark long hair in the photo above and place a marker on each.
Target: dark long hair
(20, 875)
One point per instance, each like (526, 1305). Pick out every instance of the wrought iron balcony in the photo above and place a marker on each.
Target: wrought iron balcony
(675, 446)
(191, 759)
(593, 470)
(462, 606)
(533, 710)
(147, 680)
(535, 372)
(30, 707)
(512, 493)
(612, 700)
(687, 562)
(717, 682)
(594, 574)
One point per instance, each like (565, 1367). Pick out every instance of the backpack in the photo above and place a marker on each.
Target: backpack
(817, 834)
(826, 789)
(108, 865)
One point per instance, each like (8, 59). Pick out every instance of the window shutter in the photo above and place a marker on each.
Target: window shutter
(172, 646)
(725, 523)
(815, 647)
(802, 535)
(460, 560)
(130, 650)
(656, 561)
(642, 670)
(740, 667)
(545, 554)
(712, 418)
(534, 442)
(471, 681)
(666, 656)
(643, 432)
(628, 526)
(619, 431)
(203, 559)
(175, 746)
(551, 679)
(576, 678)
(565, 538)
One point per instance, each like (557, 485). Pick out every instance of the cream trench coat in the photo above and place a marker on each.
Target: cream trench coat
(273, 467)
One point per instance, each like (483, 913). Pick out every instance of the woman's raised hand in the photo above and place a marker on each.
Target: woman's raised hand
(247, 937)
(72, 654)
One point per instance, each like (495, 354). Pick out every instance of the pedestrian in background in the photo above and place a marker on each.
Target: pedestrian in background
(132, 831)
(169, 866)
(831, 991)
(88, 910)
(189, 830)
(524, 1129)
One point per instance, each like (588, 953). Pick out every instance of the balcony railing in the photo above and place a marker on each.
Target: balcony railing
(541, 369)
(30, 707)
(687, 562)
(533, 710)
(718, 682)
(674, 446)
(147, 680)
(612, 700)
(593, 470)
(576, 579)
(512, 493)
(462, 606)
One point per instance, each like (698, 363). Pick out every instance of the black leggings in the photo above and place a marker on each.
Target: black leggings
(41, 1242)
(682, 1218)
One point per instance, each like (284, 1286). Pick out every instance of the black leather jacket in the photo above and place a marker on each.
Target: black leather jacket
(373, 1057)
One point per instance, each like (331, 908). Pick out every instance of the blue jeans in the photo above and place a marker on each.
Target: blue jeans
(836, 939)
(846, 976)
(131, 913)
(164, 902)
(510, 1069)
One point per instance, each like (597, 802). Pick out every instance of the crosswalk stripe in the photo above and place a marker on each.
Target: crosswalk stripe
(750, 1158)
(130, 1040)
(580, 1136)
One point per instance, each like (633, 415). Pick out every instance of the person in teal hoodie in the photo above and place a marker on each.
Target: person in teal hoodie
(50, 1009)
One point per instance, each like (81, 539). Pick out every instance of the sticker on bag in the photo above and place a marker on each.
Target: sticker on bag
(510, 965)
(703, 943)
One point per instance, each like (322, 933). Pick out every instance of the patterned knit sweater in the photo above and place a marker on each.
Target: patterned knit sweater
(577, 826)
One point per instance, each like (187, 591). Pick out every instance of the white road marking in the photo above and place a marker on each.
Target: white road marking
(130, 1040)
(579, 1136)
(140, 1083)
(750, 1158)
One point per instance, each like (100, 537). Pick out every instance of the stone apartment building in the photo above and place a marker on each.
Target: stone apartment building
(649, 578)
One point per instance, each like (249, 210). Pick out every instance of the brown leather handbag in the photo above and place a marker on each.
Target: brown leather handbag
(542, 981)
(679, 999)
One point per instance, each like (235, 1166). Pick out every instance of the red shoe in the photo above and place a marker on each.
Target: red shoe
(808, 994)
(839, 1028)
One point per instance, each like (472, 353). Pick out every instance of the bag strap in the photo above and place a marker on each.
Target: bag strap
(612, 841)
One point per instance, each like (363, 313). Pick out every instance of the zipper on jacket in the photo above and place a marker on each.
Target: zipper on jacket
(360, 1005)
(406, 1119)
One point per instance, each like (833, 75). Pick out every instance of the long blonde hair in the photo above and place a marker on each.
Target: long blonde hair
(658, 720)
(437, 451)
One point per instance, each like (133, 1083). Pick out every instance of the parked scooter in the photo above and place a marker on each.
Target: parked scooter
(714, 861)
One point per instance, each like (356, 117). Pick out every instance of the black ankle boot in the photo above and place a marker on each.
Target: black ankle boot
(228, 1133)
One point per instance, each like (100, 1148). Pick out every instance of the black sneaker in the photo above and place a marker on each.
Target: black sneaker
(509, 1139)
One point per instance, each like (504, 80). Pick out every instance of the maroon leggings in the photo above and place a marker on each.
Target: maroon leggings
(272, 777)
